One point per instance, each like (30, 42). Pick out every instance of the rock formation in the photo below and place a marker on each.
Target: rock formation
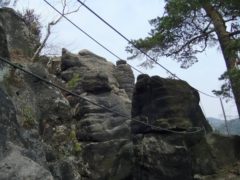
(172, 147)
(104, 135)
(62, 136)
(124, 75)
(21, 154)
(21, 41)
(47, 133)
(161, 154)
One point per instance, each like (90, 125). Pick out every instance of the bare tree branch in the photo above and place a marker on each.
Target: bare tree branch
(234, 33)
(50, 25)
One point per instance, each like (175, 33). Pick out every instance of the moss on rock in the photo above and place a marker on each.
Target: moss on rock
(74, 81)
(28, 117)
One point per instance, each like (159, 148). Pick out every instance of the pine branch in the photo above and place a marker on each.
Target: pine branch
(234, 33)
(192, 40)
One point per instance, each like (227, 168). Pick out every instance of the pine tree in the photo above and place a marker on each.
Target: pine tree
(188, 27)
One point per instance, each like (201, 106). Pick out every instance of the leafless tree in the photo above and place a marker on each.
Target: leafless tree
(65, 12)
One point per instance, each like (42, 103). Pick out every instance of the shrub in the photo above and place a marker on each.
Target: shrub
(31, 19)
(74, 81)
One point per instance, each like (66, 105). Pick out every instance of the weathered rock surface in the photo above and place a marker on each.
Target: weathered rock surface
(46, 133)
(167, 103)
(159, 154)
(46, 118)
(4, 48)
(21, 41)
(17, 158)
(3, 53)
(124, 75)
(104, 135)
(15, 154)
(15, 165)
(71, 137)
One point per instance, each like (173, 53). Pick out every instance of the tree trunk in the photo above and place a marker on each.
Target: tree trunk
(225, 42)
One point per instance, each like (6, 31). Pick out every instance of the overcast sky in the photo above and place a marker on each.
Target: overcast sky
(131, 18)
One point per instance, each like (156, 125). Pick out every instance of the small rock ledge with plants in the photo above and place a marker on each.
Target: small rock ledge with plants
(47, 134)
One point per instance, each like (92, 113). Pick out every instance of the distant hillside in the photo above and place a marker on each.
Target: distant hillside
(215, 123)
(219, 126)
(233, 126)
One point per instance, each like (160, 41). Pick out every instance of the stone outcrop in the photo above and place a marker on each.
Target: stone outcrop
(15, 153)
(161, 154)
(124, 75)
(3, 53)
(167, 103)
(47, 134)
(69, 136)
(168, 149)
(104, 135)
(21, 41)
(4, 48)
(59, 135)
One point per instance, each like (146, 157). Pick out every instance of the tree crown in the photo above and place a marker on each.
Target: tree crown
(185, 30)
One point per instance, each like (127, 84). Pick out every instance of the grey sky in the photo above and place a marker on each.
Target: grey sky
(131, 17)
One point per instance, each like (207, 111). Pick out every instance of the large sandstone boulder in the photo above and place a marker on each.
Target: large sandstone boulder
(179, 153)
(165, 104)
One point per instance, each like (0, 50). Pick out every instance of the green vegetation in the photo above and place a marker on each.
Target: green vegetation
(11, 80)
(72, 135)
(226, 87)
(29, 120)
(66, 143)
(74, 81)
(31, 20)
(77, 147)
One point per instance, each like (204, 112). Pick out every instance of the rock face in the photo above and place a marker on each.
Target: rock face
(124, 75)
(167, 103)
(163, 150)
(104, 135)
(21, 41)
(15, 152)
(4, 49)
(63, 134)
(46, 133)
(15, 160)
(3, 52)
(160, 154)
(17, 166)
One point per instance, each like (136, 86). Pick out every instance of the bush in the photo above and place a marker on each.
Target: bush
(31, 19)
